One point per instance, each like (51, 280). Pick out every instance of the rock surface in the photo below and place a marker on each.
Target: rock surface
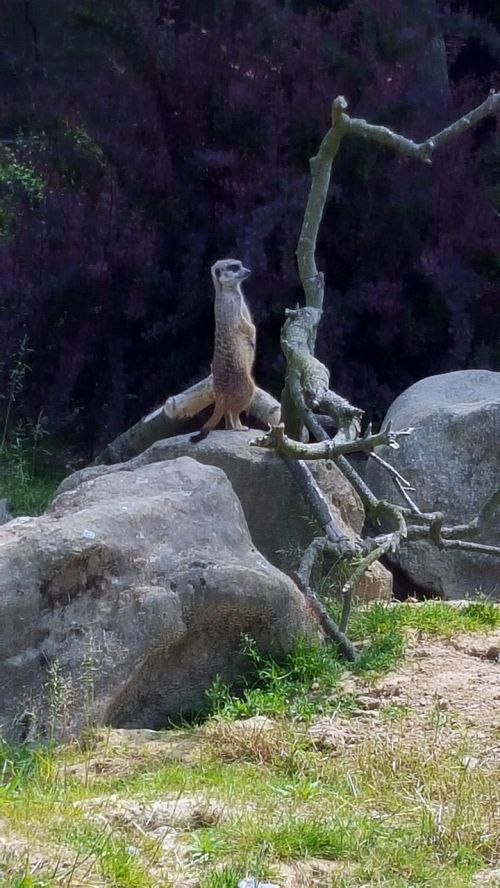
(130, 594)
(453, 461)
(277, 515)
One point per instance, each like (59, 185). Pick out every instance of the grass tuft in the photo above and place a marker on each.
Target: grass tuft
(431, 618)
(297, 686)
(119, 861)
(411, 797)
(27, 487)
(227, 877)
(20, 765)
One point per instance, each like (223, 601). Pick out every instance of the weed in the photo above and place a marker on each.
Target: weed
(19, 764)
(17, 372)
(382, 653)
(60, 697)
(26, 486)
(227, 877)
(295, 838)
(206, 844)
(394, 711)
(119, 862)
(431, 618)
(298, 685)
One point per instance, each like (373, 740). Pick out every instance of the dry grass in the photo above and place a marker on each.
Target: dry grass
(401, 787)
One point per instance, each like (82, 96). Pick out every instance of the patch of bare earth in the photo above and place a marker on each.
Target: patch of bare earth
(116, 753)
(455, 680)
(45, 861)
(164, 824)
(310, 873)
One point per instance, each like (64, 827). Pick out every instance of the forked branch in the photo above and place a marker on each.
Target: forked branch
(307, 388)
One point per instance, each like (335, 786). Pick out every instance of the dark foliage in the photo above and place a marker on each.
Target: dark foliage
(143, 140)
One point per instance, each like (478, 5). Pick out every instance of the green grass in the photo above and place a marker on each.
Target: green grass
(393, 816)
(399, 807)
(431, 821)
(26, 486)
(431, 618)
(296, 686)
(305, 683)
(227, 877)
(19, 765)
(118, 860)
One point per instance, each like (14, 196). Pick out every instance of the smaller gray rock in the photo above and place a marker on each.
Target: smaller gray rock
(452, 461)
(250, 882)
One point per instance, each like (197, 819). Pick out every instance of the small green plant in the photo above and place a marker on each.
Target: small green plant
(394, 711)
(297, 685)
(206, 844)
(60, 697)
(227, 877)
(16, 376)
(18, 179)
(26, 485)
(296, 838)
(20, 764)
(118, 860)
(382, 652)
(15, 175)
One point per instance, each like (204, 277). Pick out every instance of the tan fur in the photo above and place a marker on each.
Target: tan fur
(234, 348)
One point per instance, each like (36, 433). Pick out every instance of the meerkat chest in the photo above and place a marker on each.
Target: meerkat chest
(230, 309)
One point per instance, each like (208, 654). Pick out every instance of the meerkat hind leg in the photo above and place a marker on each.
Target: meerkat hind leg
(233, 424)
(237, 425)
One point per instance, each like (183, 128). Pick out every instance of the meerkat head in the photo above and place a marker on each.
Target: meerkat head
(228, 273)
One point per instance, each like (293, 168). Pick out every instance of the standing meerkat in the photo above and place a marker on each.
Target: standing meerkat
(234, 348)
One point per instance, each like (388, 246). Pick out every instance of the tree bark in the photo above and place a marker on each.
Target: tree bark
(307, 383)
(167, 420)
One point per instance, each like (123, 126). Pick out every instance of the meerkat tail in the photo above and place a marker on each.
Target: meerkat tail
(210, 423)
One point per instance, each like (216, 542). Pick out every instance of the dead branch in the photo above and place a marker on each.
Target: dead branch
(276, 439)
(167, 420)
(312, 557)
(320, 509)
(307, 385)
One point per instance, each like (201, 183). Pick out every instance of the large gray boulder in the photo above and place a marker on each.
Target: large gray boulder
(453, 461)
(279, 519)
(123, 601)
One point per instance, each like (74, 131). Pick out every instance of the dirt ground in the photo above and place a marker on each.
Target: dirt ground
(443, 691)
(456, 679)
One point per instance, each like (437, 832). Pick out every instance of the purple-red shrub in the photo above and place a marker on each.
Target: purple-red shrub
(166, 136)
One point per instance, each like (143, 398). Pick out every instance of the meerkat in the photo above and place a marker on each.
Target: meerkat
(234, 348)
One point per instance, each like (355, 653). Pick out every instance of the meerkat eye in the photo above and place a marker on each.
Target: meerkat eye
(233, 267)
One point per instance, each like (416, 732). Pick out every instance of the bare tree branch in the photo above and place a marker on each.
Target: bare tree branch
(167, 420)
(276, 439)
(307, 385)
